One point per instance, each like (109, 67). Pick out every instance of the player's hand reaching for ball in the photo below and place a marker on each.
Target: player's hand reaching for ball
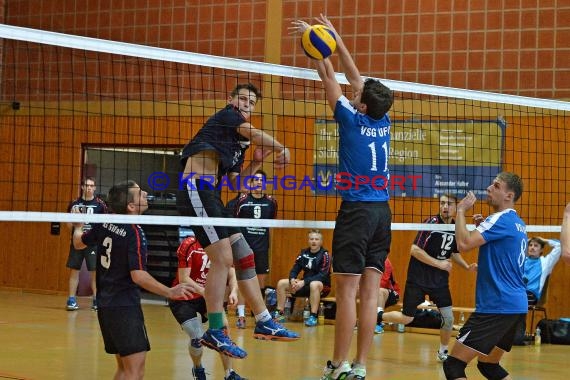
(299, 26)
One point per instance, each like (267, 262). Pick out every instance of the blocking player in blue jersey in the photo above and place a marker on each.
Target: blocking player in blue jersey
(500, 294)
(362, 233)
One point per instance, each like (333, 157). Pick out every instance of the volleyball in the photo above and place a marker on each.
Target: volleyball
(318, 42)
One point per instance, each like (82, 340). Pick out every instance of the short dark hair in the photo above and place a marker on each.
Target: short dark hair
(537, 240)
(247, 86)
(450, 196)
(259, 171)
(120, 196)
(514, 183)
(89, 178)
(377, 97)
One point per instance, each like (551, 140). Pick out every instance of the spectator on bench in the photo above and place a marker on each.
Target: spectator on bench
(315, 263)
(537, 267)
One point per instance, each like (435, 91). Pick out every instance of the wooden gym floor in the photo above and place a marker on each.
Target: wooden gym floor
(39, 339)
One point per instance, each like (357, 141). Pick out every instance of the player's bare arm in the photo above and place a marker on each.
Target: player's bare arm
(466, 240)
(565, 235)
(423, 256)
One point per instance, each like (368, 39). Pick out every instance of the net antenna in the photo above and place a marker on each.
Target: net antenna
(120, 111)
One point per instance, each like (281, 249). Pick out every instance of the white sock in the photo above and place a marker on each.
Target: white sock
(380, 309)
(442, 348)
(264, 316)
(241, 310)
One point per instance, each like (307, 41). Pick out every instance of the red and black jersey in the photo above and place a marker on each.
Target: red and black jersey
(387, 280)
(249, 207)
(439, 245)
(121, 248)
(191, 255)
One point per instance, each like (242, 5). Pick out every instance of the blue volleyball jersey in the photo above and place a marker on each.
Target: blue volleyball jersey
(363, 173)
(121, 248)
(537, 269)
(500, 288)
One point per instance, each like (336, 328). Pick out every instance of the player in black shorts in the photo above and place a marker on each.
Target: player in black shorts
(255, 205)
(428, 273)
(121, 269)
(87, 203)
(211, 160)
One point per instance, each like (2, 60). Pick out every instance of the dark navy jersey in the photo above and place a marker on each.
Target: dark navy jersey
(249, 207)
(220, 134)
(94, 206)
(315, 266)
(121, 248)
(438, 244)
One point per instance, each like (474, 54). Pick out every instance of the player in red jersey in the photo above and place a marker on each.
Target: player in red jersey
(190, 312)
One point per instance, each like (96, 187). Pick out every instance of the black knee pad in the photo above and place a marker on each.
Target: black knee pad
(492, 371)
(454, 368)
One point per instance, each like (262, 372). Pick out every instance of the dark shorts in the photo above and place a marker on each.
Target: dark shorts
(415, 295)
(261, 262)
(361, 237)
(205, 201)
(186, 310)
(305, 291)
(483, 332)
(76, 257)
(123, 330)
(392, 299)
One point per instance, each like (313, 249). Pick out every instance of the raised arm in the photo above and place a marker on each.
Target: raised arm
(349, 67)
(466, 240)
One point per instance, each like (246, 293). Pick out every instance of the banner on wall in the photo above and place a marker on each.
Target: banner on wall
(427, 157)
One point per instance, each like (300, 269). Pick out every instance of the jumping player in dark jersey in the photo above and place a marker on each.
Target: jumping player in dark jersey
(211, 160)
(500, 293)
(255, 205)
(428, 273)
(121, 269)
(88, 203)
(315, 263)
(362, 234)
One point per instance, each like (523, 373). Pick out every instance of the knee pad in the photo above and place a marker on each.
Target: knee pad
(243, 259)
(446, 318)
(193, 327)
(454, 368)
(492, 371)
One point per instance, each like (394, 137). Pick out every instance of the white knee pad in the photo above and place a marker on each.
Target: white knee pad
(193, 327)
(447, 318)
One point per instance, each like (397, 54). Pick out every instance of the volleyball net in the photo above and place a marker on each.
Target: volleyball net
(75, 107)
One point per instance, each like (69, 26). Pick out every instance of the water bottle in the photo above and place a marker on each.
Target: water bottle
(537, 337)
(461, 319)
(287, 310)
(401, 327)
(306, 310)
(321, 316)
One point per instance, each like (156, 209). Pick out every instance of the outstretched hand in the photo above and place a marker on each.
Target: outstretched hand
(299, 27)
(324, 20)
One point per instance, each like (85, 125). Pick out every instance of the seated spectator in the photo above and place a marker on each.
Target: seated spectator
(389, 294)
(537, 267)
(315, 263)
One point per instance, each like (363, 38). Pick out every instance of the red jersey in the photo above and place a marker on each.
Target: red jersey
(191, 255)
(387, 280)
